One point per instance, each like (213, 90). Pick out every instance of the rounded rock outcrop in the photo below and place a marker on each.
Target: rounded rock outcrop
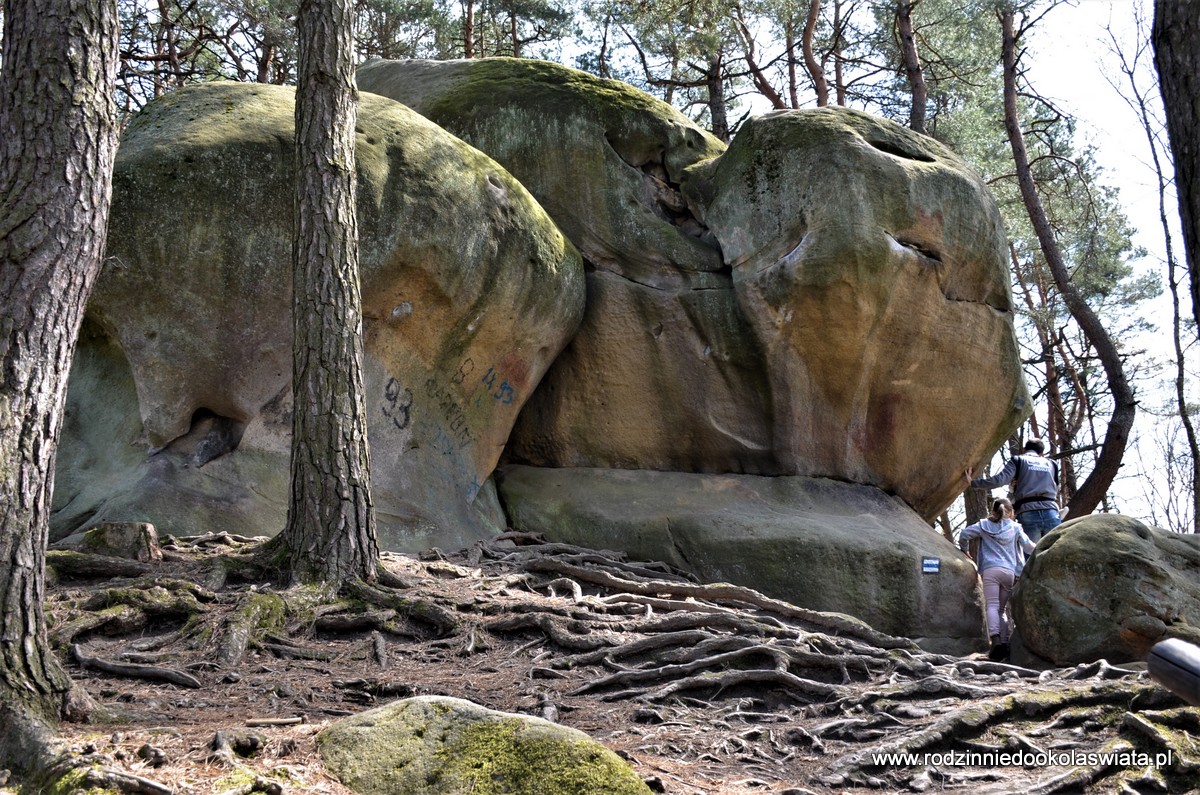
(1108, 587)
(436, 745)
(469, 292)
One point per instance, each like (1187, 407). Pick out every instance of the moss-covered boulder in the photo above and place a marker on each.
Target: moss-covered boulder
(1108, 587)
(664, 372)
(435, 745)
(132, 540)
(821, 544)
(179, 407)
(870, 263)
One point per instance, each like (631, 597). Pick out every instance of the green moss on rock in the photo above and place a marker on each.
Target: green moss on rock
(446, 745)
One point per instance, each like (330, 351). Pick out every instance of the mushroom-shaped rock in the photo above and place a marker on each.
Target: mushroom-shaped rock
(469, 292)
(664, 372)
(869, 261)
(434, 745)
(828, 297)
(1108, 587)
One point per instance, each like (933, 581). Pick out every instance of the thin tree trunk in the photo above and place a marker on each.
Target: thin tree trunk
(912, 64)
(793, 83)
(716, 98)
(58, 139)
(1176, 39)
(1093, 490)
(815, 72)
(839, 81)
(469, 29)
(330, 533)
(761, 82)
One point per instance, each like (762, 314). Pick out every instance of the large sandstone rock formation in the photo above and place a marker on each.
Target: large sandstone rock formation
(825, 545)
(432, 745)
(469, 292)
(664, 373)
(829, 297)
(824, 302)
(1108, 587)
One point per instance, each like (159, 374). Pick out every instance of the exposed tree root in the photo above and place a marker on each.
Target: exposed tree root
(65, 564)
(714, 677)
(181, 678)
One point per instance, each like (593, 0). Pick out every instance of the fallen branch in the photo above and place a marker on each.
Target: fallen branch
(260, 722)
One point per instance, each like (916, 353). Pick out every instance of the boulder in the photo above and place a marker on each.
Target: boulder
(1108, 587)
(818, 543)
(179, 405)
(132, 540)
(664, 373)
(433, 745)
(870, 263)
(829, 297)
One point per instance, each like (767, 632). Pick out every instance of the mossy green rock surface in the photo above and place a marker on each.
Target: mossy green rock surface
(1108, 587)
(820, 544)
(180, 397)
(435, 745)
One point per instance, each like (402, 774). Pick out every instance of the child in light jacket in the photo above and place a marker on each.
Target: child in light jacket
(1002, 549)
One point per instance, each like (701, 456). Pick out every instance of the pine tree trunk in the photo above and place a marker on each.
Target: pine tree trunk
(815, 71)
(58, 136)
(330, 532)
(912, 64)
(717, 107)
(1176, 38)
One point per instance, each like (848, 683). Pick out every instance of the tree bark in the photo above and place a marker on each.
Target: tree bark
(714, 80)
(469, 29)
(1093, 490)
(820, 85)
(912, 64)
(58, 137)
(330, 533)
(1176, 39)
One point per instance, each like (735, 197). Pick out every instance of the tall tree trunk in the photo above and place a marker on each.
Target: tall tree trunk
(793, 83)
(839, 79)
(330, 533)
(815, 72)
(912, 64)
(469, 29)
(1176, 39)
(1093, 490)
(58, 139)
(714, 80)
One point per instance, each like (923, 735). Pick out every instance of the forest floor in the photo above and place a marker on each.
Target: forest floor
(209, 681)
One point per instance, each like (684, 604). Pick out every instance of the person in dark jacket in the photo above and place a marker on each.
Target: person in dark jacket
(1002, 549)
(1035, 488)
